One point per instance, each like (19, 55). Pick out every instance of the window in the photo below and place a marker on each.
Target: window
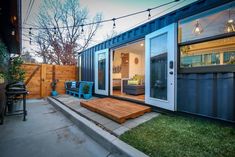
(207, 39)
(215, 52)
(210, 23)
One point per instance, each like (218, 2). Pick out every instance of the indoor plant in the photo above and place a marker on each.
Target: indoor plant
(86, 89)
(53, 86)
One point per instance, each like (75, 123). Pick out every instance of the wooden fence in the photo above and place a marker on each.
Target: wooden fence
(39, 77)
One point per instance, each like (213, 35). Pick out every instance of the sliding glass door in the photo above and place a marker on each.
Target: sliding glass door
(101, 72)
(160, 67)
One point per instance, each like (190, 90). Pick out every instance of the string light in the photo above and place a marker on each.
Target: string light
(114, 24)
(113, 19)
(98, 22)
(149, 15)
(54, 31)
(30, 34)
(82, 28)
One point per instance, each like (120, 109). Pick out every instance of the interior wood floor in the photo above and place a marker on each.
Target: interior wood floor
(135, 97)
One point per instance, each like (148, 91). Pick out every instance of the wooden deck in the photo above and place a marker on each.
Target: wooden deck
(114, 109)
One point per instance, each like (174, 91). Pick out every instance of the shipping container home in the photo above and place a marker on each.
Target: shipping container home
(183, 61)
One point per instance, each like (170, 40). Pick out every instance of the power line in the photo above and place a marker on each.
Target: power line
(107, 20)
(29, 10)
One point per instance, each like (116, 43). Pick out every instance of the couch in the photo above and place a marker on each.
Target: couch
(76, 88)
(134, 86)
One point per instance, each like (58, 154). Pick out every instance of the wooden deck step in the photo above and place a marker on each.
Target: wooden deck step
(117, 110)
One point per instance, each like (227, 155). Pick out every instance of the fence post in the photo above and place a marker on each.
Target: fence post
(43, 77)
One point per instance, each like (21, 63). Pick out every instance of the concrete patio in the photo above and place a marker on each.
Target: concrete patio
(47, 133)
(103, 122)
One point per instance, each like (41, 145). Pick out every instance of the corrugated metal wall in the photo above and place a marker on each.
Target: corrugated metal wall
(87, 66)
(211, 95)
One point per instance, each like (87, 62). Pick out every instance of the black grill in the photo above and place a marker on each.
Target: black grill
(15, 92)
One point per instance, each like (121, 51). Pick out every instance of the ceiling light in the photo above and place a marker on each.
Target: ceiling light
(197, 29)
(229, 26)
(141, 44)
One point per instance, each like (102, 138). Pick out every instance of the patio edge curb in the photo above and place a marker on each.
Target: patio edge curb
(104, 138)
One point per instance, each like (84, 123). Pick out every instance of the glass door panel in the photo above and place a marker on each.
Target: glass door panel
(158, 67)
(101, 72)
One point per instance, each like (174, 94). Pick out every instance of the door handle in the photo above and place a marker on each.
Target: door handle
(171, 65)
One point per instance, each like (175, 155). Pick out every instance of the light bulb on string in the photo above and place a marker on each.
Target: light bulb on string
(54, 31)
(30, 34)
(30, 31)
(114, 24)
(82, 29)
(149, 15)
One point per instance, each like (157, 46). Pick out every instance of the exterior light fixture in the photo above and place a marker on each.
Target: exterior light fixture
(14, 18)
(13, 33)
(197, 29)
(141, 44)
(229, 26)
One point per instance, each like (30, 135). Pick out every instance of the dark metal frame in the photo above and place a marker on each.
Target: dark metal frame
(205, 69)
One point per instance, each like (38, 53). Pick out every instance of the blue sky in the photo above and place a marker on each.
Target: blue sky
(112, 9)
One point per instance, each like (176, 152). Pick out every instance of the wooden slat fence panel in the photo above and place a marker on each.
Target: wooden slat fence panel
(33, 85)
(40, 76)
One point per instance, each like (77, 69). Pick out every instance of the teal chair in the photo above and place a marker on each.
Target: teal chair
(76, 88)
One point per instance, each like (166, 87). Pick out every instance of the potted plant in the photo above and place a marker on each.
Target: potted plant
(86, 89)
(53, 86)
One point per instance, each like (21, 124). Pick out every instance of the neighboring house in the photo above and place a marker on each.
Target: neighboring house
(10, 35)
(182, 61)
(28, 58)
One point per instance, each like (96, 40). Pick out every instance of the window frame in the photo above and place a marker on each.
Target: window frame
(204, 69)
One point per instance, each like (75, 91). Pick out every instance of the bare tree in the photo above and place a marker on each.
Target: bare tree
(110, 35)
(65, 31)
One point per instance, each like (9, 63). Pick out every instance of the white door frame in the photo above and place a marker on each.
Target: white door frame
(170, 103)
(111, 71)
(97, 90)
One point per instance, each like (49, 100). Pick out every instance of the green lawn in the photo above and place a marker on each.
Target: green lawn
(177, 136)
